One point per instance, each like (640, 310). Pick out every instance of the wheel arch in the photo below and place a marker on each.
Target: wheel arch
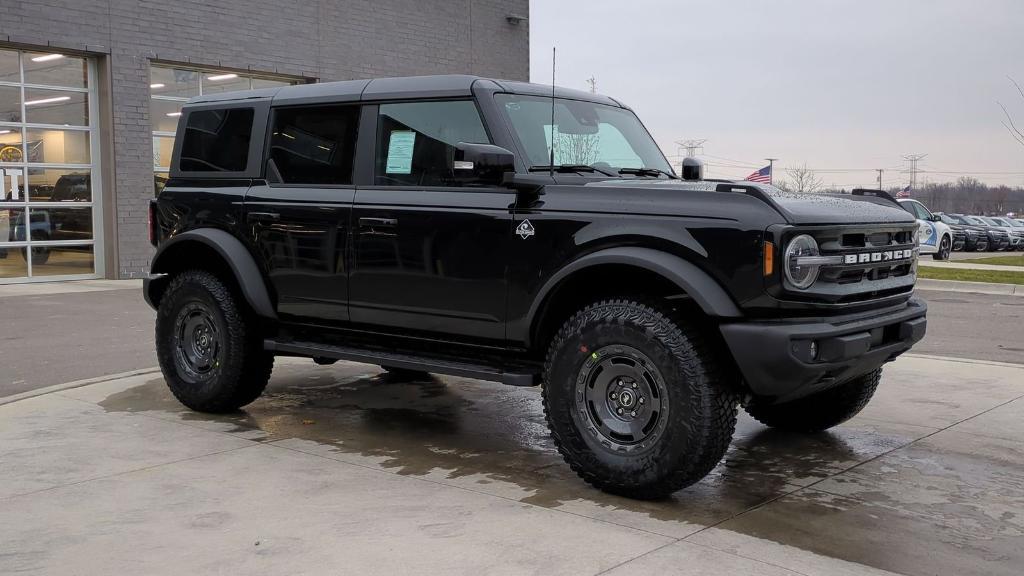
(660, 274)
(215, 250)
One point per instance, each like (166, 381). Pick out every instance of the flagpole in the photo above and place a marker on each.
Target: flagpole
(771, 169)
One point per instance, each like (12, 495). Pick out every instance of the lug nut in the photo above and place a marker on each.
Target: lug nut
(641, 399)
(614, 395)
(632, 413)
(619, 410)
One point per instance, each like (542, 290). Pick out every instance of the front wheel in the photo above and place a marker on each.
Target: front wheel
(945, 247)
(822, 410)
(208, 347)
(636, 401)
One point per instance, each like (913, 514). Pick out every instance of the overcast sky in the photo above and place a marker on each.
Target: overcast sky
(851, 84)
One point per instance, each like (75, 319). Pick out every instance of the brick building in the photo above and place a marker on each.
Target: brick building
(90, 92)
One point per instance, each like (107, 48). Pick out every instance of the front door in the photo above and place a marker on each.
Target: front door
(429, 255)
(299, 218)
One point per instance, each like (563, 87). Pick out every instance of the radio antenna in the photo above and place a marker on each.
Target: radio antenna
(551, 161)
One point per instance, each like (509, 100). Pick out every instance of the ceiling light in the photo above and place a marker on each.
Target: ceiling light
(172, 114)
(5, 131)
(155, 86)
(221, 77)
(47, 100)
(47, 58)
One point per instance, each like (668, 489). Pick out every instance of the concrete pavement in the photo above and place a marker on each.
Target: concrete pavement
(344, 470)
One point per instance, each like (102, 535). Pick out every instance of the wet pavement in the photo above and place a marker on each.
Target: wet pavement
(344, 469)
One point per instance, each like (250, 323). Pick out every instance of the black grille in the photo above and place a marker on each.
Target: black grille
(876, 271)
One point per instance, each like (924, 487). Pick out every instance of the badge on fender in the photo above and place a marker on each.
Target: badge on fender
(525, 229)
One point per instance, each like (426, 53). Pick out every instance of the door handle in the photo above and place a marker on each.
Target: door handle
(263, 217)
(378, 222)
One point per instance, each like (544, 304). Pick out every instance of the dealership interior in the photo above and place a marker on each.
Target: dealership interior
(51, 224)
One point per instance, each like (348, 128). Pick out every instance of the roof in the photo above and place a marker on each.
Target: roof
(399, 88)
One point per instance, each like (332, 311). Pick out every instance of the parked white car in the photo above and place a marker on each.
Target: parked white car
(934, 236)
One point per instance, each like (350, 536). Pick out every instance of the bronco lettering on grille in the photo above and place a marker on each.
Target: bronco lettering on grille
(886, 256)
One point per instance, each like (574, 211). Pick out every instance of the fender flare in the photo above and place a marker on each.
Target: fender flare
(233, 252)
(698, 284)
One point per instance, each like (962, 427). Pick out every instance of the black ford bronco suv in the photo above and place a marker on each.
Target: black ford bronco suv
(501, 231)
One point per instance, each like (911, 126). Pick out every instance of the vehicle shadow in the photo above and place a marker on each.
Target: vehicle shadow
(493, 439)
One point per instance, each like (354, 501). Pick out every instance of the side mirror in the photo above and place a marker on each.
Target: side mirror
(481, 164)
(936, 218)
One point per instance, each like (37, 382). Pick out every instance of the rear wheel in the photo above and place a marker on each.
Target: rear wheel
(635, 400)
(819, 411)
(945, 247)
(208, 346)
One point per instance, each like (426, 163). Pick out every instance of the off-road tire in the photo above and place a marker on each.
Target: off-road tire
(822, 410)
(700, 413)
(241, 369)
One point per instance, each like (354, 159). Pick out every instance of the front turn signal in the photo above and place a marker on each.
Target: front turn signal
(769, 258)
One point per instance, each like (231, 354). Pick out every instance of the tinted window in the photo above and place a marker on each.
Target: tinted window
(416, 141)
(217, 140)
(314, 145)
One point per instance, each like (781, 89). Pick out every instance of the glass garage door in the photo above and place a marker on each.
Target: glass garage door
(49, 199)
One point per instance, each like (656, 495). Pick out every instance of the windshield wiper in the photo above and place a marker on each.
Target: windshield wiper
(569, 168)
(646, 172)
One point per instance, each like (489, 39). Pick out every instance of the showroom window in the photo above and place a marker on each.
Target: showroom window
(49, 176)
(170, 88)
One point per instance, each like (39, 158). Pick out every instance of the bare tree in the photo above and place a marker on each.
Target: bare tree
(577, 148)
(1017, 134)
(802, 180)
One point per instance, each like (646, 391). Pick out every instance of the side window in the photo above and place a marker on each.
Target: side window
(416, 141)
(922, 212)
(217, 140)
(314, 145)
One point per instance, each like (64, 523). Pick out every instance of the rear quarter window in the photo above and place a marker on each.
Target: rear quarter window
(217, 140)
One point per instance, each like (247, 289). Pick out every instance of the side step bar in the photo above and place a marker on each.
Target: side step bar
(522, 377)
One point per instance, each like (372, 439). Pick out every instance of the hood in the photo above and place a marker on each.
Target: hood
(794, 208)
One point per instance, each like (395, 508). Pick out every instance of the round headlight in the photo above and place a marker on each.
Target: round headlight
(801, 276)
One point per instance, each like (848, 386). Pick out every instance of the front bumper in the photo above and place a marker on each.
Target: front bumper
(778, 364)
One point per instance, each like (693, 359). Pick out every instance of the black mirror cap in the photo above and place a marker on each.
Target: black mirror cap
(693, 169)
(482, 163)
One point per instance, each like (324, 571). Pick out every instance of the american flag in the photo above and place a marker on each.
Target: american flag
(762, 175)
(905, 193)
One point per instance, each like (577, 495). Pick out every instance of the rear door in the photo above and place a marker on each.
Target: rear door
(299, 217)
(429, 252)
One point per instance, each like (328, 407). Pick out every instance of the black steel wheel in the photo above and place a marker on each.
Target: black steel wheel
(636, 399)
(208, 345)
(622, 398)
(197, 343)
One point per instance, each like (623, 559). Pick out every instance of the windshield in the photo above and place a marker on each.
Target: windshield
(949, 219)
(973, 220)
(989, 221)
(604, 137)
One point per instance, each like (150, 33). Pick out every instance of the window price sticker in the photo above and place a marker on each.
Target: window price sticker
(400, 148)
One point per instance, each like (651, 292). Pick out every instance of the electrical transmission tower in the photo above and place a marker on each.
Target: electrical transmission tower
(593, 84)
(692, 147)
(912, 160)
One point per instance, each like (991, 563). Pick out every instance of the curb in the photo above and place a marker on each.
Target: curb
(75, 384)
(975, 287)
(964, 360)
